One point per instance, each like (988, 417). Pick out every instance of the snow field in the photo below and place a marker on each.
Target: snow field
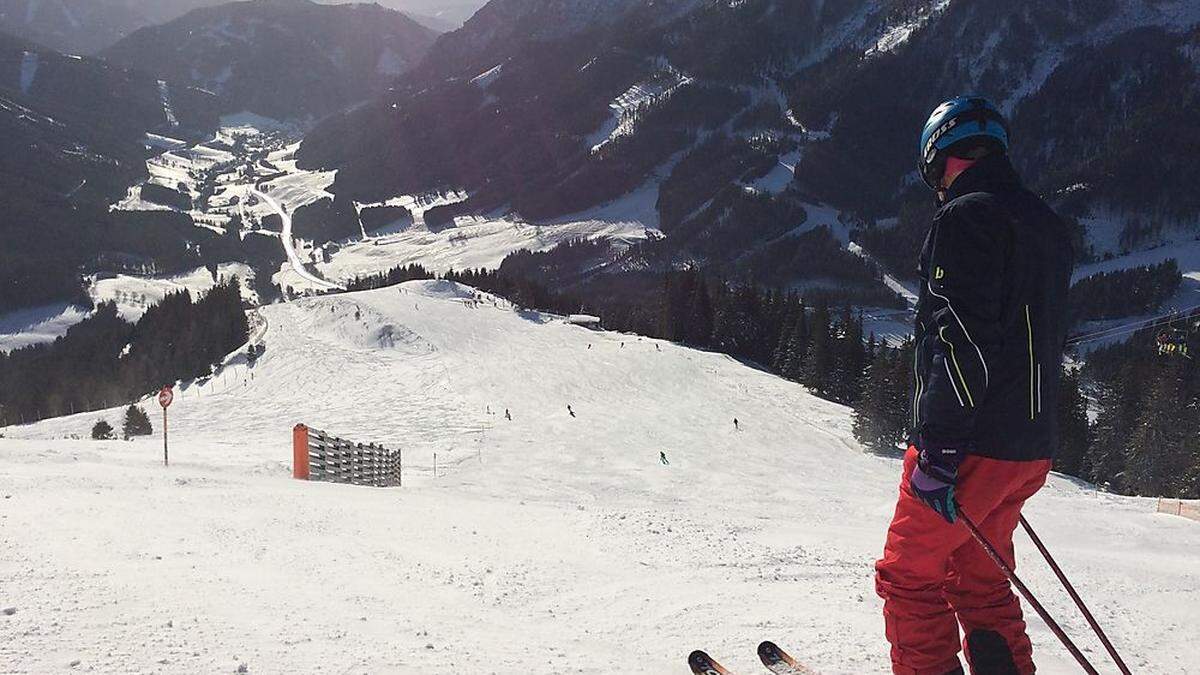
(471, 243)
(133, 295)
(37, 324)
(620, 123)
(548, 544)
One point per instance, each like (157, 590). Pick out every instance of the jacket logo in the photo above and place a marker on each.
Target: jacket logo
(939, 273)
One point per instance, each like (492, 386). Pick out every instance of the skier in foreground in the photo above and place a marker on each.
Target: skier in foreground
(990, 330)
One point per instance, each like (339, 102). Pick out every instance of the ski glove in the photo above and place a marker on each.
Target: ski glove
(934, 478)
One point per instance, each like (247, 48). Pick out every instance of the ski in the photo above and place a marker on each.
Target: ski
(703, 664)
(780, 662)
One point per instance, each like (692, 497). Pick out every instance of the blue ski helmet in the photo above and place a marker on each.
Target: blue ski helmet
(956, 120)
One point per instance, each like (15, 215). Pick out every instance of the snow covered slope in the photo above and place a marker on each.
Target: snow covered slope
(546, 544)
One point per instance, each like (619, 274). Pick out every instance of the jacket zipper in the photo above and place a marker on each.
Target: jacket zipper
(916, 411)
(1035, 372)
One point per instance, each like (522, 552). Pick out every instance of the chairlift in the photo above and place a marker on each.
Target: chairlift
(1173, 340)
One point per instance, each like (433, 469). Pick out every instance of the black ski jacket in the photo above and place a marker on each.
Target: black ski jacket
(991, 319)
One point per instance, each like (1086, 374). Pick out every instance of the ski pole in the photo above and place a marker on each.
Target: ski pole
(1027, 594)
(1112, 651)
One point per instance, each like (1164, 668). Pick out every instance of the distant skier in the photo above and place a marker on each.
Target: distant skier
(662, 457)
(736, 426)
(991, 323)
(507, 415)
(571, 412)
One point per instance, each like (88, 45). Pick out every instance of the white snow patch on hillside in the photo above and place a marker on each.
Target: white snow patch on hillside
(1187, 253)
(133, 294)
(419, 205)
(1173, 15)
(487, 77)
(621, 120)
(781, 176)
(836, 37)
(29, 68)
(298, 187)
(897, 34)
(472, 242)
(889, 326)
(178, 169)
(164, 92)
(909, 292)
(637, 210)
(248, 122)
(37, 325)
(484, 241)
(133, 201)
(544, 530)
(161, 142)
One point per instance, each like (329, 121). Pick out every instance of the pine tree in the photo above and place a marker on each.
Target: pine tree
(1158, 456)
(881, 414)
(820, 359)
(850, 359)
(1074, 433)
(1105, 463)
(137, 423)
(102, 431)
(698, 329)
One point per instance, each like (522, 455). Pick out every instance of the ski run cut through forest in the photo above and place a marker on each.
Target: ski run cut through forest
(617, 521)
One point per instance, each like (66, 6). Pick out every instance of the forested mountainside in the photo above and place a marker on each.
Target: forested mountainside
(715, 103)
(286, 59)
(72, 138)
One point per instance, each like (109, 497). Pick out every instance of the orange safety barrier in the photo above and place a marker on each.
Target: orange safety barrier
(300, 470)
(1180, 507)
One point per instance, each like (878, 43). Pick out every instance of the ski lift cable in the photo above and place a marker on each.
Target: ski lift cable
(1152, 322)
(1115, 330)
(1144, 324)
(1118, 330)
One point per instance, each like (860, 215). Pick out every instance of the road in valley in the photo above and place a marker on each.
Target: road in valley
(289, 245)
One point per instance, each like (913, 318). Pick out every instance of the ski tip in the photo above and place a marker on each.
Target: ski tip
(768, 650)
(702, 664)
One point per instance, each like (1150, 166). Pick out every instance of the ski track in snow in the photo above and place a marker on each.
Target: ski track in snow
(548, 544)
(164, 92)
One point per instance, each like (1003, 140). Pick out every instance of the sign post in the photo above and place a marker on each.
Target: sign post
(165, 396)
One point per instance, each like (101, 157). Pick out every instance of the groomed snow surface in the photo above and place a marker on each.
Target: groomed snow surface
(546, 544)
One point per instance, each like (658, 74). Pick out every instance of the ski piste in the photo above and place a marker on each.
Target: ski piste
(703, 664)
(780, 662)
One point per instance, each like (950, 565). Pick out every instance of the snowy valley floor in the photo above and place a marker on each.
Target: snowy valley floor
(548, 544)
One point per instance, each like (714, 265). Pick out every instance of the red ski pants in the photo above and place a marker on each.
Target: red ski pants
(934, 575)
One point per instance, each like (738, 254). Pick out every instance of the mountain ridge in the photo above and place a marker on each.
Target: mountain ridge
(285, 59)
